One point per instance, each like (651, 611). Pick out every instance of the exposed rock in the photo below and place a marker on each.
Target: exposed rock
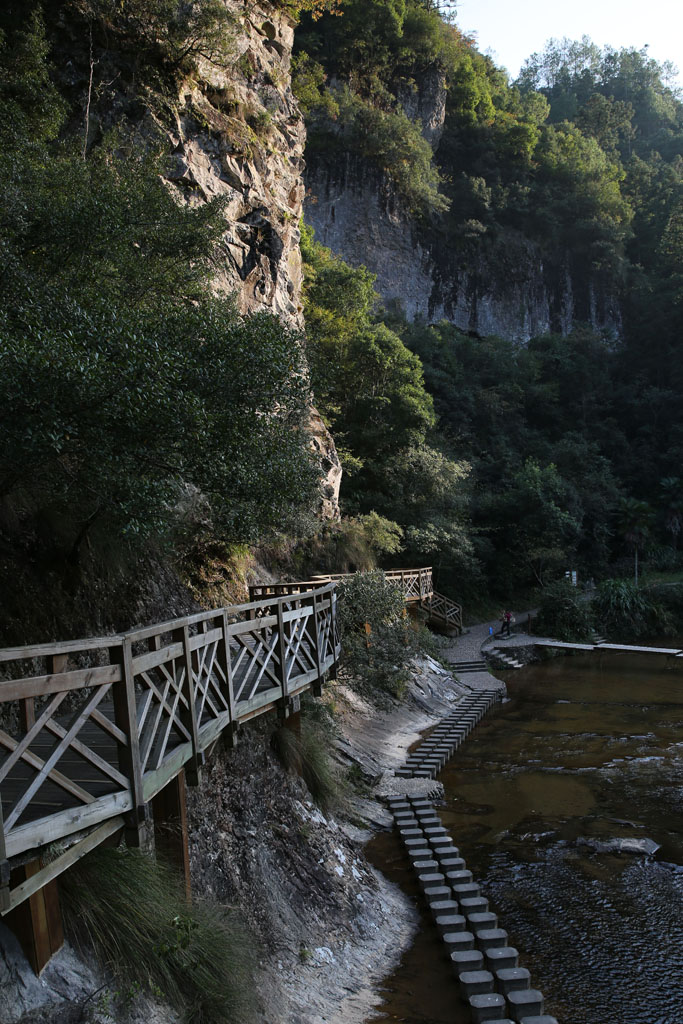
(504, 288)
(323, 445)
(424, 100)
(638, 847)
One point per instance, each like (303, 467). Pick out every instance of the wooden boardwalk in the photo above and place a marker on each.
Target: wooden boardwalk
(92, 730)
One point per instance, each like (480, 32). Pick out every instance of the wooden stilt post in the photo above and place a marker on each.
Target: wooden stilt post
(317, 684)
(169, 809)
(37, 922)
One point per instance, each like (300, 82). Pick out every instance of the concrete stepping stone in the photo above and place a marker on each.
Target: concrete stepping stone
(410, 833)
(459, 876)
(472, 904)
(429, 878)
(481, 921)
(544, 1018)
(501, 957)
(467, 960)
(425, 865)
(512, 979)
(447, 861)
(416, 853)
(446, 923)
(486, 1006)
(525, 1003)
(492, 938)
(417, 844)
(443, 907)
(465, 890)
(474, 983)
(459, 942)
(436, 893)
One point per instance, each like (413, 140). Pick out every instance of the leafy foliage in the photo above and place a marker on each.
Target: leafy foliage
(564, 614)
(123, 381)
(377, 637)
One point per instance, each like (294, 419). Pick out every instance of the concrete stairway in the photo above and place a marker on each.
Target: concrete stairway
(504, 658)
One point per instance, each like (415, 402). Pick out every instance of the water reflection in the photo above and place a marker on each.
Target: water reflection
(589, 749)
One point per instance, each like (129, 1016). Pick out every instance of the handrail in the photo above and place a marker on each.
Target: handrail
(93, 728)
(416, 583)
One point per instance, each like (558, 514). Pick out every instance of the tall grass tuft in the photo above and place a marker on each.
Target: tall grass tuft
(307, 755)
(133, 912)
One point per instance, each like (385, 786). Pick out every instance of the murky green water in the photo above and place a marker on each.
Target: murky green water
(587, 750)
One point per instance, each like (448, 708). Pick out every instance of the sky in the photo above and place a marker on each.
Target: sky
(510, 32)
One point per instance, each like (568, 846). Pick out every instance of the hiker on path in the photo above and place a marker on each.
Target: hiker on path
(507, 620)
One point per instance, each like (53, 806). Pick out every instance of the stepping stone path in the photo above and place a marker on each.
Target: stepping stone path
(487, 969)
(431, 755)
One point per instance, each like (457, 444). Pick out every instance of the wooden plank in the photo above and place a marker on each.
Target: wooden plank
(64, 861)
(108, 726)
(89, 754)
(4, 868)
(55, 776)
(62, 647)
(48, 765)
(153, 659)
(156, 780)
(64, 823)
(61, 682)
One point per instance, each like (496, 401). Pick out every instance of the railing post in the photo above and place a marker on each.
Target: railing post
(225, 662)
(317, 686)
(139, 827)
(403, 584)
(4, 868)
(284, 705)
(189, 716)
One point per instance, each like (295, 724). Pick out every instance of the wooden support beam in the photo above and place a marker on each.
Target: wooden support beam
(170, 828)
(37, 920)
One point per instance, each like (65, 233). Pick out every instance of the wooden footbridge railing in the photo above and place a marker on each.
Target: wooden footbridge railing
(416, 584)
(91, 730)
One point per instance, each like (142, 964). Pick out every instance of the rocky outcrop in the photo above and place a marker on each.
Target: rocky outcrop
(503, 287)
(239, 135)
(424, 99)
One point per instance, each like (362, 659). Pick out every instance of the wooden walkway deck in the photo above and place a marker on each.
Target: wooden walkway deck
(91, 730)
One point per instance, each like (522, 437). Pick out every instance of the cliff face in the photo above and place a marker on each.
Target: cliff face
(239, 135)
(500, 286)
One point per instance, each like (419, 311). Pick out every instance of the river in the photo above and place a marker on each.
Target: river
(587, 749)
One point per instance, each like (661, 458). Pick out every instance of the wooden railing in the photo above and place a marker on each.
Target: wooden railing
(93, 729)
(416, 584)
(444, 609)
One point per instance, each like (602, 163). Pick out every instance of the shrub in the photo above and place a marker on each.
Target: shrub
(308, 755)
(564, 613)
(132, 911)
(624, 611)
(378, 638)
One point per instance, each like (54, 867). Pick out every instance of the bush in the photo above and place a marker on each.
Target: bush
(624, 611)
(375, 659)
(132, 911)
(564, 614)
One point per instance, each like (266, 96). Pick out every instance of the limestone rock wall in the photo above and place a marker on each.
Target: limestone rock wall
(504, 288)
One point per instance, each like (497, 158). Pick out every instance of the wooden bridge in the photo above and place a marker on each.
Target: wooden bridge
(416, 586)
(97, 736)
